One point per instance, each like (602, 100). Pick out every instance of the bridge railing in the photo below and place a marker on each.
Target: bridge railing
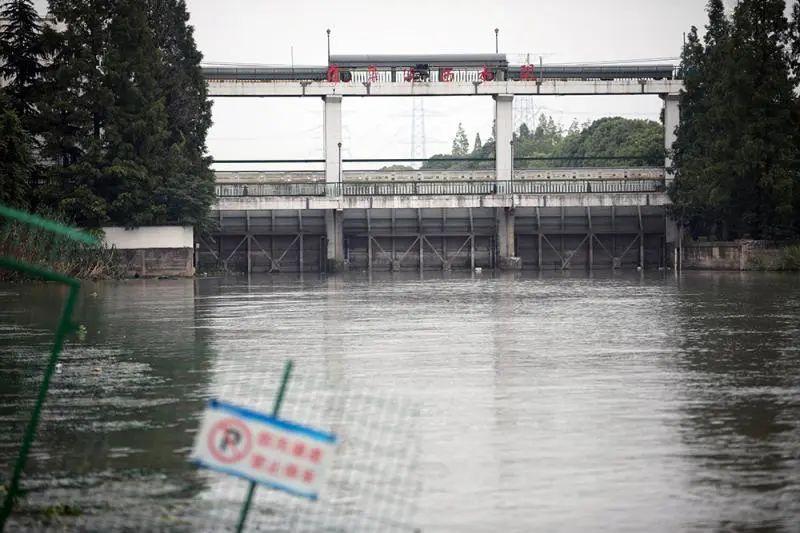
(444, 188)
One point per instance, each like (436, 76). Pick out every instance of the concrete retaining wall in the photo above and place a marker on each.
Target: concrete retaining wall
(727, 255)
(154, 250)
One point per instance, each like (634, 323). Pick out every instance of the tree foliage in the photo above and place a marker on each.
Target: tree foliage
(121, 112)
(460, 143)
(576, 146)
(15, 157)
(20, 55)
(736, 151)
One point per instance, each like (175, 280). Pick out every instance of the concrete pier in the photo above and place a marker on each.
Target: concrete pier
(334, 236)
(506, 247)
(332, 137)
(504, 131)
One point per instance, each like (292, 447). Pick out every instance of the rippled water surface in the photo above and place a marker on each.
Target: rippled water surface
(555, 403)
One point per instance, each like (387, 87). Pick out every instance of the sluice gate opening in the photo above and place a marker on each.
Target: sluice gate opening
(430, 239)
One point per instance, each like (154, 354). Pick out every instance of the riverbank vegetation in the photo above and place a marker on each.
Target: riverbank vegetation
(39, 247)
(786, 258)
(737, 154)
(105, 113)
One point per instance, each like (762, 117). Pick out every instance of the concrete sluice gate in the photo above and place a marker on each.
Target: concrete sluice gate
(546, 238)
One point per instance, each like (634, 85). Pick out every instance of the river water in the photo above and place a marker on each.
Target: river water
(605, 402)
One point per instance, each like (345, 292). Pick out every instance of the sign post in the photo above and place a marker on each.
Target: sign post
(263, 449)
(287, 371)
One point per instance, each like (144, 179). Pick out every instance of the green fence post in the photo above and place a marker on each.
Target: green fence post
(65, 325)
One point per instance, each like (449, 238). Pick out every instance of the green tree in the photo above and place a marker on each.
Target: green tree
(125, 114)
(691, 191)
(765, 124)
(20, 55)
(794, 41)
(737, 141)
(613, 136)
(544, 141)
(15, 157)
(135, 162)
(794, 62)
(188, 189)
(476, 146)
(73, 109)
(460, 143)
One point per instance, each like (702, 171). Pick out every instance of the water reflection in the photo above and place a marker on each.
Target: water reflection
(739, 366)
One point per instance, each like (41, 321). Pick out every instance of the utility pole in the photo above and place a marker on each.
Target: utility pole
(512, 173)
(328, 31)
(340, 167)
(496, 47)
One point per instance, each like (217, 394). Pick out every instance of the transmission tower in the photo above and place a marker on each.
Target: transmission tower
(523, 107)
(418, 128)
(524, 112)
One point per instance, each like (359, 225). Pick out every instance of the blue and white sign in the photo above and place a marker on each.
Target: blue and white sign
(263, 449)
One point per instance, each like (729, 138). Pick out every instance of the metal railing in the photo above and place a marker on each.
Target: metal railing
(443, 188)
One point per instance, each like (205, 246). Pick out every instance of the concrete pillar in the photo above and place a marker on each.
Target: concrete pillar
(672, 116)
(334, 232)
(505, 240)
(504, 130)
(672, 239)
(332, 136)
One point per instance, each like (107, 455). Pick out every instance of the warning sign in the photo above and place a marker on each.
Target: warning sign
(229, 441)
(263, 449)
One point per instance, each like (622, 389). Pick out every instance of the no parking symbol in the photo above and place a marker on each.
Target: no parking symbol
(263, 449)
(229, 441)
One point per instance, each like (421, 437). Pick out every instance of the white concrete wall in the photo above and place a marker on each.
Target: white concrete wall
(150, 237)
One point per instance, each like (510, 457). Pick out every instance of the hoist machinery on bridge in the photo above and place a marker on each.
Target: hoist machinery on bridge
(438, 68)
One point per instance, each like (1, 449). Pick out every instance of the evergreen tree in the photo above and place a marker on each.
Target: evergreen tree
(691, 190)
(15, 158)
(189, 184)
(460, 143)
(20, 55)
(74, 106)
(125, 114)
(794, 42)
(135, 133)
(765, 125)
(737, 139)
(476, 146)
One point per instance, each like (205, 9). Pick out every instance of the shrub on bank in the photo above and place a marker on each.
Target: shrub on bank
(60, 254)
(786, 258)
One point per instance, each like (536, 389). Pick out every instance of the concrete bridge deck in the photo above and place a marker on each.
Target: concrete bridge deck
(259, 88)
